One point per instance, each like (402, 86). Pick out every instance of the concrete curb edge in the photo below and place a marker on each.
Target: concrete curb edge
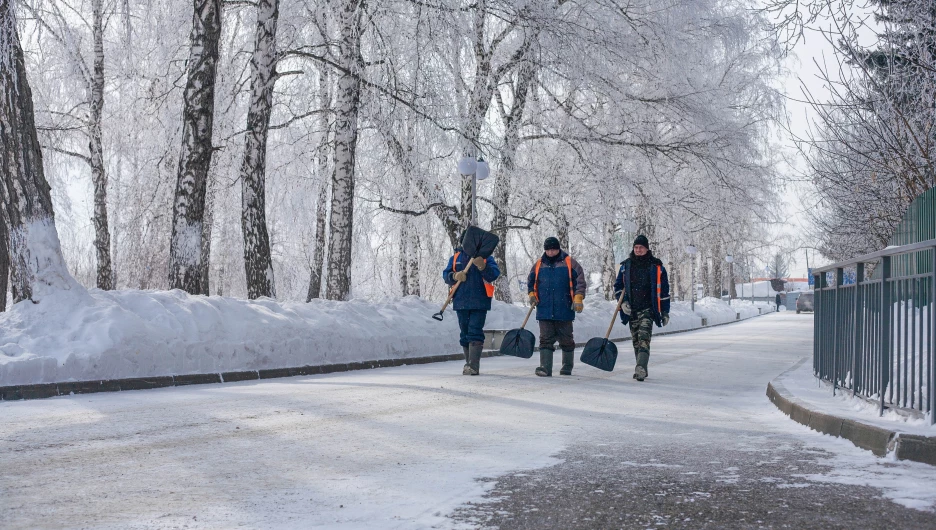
(878, 440)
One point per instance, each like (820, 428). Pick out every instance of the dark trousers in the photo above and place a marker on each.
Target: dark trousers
(471, 324)
(556, 330)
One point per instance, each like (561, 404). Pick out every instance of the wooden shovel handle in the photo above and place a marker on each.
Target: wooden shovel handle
(614, 316)
(454, 288)
(529, 312)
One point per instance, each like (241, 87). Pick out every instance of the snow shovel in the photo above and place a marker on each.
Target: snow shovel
(600, 352)
(519, 342)
(476, 242)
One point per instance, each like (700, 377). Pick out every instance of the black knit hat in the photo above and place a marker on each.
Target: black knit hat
(551, 243)
(642, 240)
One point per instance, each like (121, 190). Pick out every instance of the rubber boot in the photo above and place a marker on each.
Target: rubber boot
(568, 359)
(466, 367)
(474, 358)
(640, 371)
(546, 362)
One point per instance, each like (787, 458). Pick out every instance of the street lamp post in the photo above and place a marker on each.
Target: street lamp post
(477, 169)
(730, 259)
(691, 250)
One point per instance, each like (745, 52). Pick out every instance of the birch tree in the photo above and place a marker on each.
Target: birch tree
(347, 102)
(38, 267)
(195, 158)
(257, 259)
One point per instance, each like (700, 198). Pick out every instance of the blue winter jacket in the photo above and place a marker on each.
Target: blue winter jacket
(659, 291)
(472, 294)
(553, 289)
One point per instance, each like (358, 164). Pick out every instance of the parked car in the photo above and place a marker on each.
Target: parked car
(805, 302)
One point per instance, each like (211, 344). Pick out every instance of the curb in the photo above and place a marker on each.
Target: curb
(47, 390)
(878, 440)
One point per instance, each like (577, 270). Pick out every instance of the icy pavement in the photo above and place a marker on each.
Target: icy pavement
(697, 444)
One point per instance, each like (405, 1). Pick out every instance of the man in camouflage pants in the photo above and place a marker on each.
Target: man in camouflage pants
(643, 279)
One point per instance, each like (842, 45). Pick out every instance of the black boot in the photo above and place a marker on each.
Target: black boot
(474, 359)
(546, 362)
(568, 359)
(466, 367)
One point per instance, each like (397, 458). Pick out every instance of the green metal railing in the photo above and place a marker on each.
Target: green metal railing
(877, 337)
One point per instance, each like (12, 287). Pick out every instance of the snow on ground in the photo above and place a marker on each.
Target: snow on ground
(803, 384)
(401, 447)
(92, 335)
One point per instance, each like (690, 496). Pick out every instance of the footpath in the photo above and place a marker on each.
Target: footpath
(898, 434)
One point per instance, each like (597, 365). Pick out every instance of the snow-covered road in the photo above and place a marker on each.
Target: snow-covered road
(406, 447)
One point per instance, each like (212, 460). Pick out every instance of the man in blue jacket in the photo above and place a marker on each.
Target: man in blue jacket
(472, 301)
(646, 300)
(556, 286)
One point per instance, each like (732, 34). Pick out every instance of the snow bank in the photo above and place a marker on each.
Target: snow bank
(93, 335)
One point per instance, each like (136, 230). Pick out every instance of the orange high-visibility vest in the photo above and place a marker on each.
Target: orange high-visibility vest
(539, 262)
(488, 287)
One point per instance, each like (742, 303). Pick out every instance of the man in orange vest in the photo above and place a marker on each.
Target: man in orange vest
(646, 299)
(556, 286)
(471, 302)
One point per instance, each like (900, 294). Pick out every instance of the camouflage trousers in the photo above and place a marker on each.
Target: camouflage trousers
(641, 328)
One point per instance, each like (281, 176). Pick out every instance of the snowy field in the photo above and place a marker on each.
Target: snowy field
(91, 335)
(403, 447)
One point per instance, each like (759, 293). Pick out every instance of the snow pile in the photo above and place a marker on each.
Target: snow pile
(91, 335)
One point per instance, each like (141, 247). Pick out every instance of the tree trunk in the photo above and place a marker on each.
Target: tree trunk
(258, 263)
(206, 236)
(105, 276)
(512, 124)
(4, 260)
(609, 266)
(318, 258)
(412, 269)
(35, 252)
(341, 227)
(321, 213)
(478, 105)
(185, 267)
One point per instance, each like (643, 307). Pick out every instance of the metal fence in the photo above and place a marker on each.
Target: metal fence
(876, 337)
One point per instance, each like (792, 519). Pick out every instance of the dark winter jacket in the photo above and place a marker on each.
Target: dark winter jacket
(473, 293)
(659, 291)
(553, 287)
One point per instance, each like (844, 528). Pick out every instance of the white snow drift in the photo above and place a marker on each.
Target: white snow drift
(91, 335)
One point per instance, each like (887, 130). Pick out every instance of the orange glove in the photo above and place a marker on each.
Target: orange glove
(578, 303)
(534, 301)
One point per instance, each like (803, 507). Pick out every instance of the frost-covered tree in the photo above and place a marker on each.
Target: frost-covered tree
(185, 264)
(257, 259)
(38, 267)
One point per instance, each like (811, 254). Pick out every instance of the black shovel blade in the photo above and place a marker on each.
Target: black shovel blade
(518, 343)
(478, 242)
(600, 353)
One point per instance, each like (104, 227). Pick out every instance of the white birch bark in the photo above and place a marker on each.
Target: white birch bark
(185, 267)
(348, 98)
(258, 263)
(35, 252)
(102, 245)
(502, 184)
(318, 257)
